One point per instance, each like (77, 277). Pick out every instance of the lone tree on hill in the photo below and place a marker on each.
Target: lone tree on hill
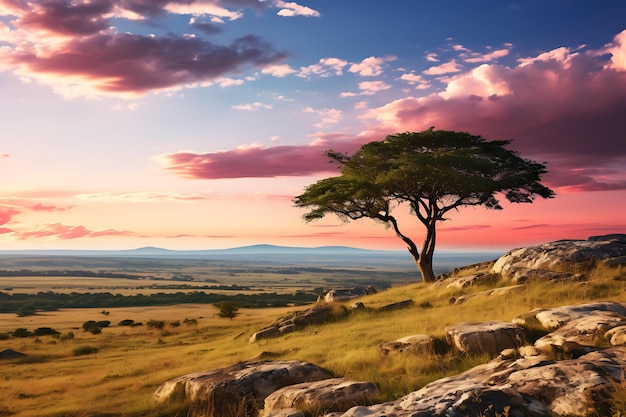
(434, 171)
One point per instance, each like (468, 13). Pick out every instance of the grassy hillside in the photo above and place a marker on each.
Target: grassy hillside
(115, 373)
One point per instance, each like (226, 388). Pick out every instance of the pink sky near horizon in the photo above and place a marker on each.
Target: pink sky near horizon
(193, 143)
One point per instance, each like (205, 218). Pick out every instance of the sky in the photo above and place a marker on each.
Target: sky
(193, 124)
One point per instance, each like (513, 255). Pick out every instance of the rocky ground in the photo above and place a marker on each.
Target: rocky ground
(523, 379)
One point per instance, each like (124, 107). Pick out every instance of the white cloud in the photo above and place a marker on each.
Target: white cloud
(278, 70)
(368, 88)
(371, 67)
(562, 55)
(447, 68)
(252, 106)
(328, 116)
(618, 52)
(488, 57)
(483, 81)
(290, 9)
(325, 68)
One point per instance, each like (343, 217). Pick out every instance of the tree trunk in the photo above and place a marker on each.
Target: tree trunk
(425, 262)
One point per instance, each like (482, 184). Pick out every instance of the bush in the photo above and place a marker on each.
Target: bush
(21, 332)
(85, 350)
(127, 322)
(45, 331)
(66, 336)
(156, 324)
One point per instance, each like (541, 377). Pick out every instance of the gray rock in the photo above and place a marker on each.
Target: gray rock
(554, 318)
(581, 334)
(239, 389)
(485, 337)
(265, 334)
(562, 254)
(397, 306)
(617, 336)
(344, 294)
(526, 387)
(335, 394)
(414, 343)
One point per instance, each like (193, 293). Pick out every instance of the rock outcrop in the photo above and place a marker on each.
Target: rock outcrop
(547, 261)
(344, 294)
(415, 343)
(314, 315)
(239, 389)
(485, 337)
(335, 394)
(526, 387)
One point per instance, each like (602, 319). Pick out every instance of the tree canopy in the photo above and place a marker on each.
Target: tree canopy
(434, 172)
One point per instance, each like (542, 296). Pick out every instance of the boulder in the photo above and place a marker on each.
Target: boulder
(344, 294)
(414, 343)
(335, 394)
(562, 255)
(485, 337)
(314, 315)
(554, 318)
(526, 387)
(616, 336)
(581, 334)
(239, 389)
(397, 306)
(467, 281)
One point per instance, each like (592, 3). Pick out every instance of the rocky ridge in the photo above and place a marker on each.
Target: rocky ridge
(522, 379)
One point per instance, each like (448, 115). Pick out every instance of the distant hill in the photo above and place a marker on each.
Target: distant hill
(151, 251)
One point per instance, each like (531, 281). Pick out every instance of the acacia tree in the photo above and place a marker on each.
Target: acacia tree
(433, 172)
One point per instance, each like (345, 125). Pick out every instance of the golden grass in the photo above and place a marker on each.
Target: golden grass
(131, 363)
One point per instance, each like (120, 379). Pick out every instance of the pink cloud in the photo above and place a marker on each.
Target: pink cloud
(73, 42)
(64, 232)
(7, 213)
(255, 161)
(43, 207)
(5, 230)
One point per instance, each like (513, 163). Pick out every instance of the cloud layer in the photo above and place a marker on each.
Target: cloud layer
(77, 44)
(564, 107)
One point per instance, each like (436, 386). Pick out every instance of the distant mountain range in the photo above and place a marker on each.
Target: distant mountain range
(150, 251)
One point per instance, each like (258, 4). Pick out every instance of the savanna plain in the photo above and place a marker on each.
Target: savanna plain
(114, 372)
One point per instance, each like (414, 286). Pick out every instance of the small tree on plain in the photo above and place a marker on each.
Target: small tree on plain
(433, 172)
(227, 309)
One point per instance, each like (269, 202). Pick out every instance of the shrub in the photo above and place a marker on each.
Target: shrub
(66, 336)
(45, 331)
(127, 322)
(156, 324)
(21, 332)
(85, 350)
(190, 322)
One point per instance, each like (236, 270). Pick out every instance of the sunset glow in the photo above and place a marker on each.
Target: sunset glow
(194, 124)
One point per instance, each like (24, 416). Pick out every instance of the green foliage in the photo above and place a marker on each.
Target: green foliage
(126, 322)
(26, 310)
(227, 309)
(95, 327)
(433, 172)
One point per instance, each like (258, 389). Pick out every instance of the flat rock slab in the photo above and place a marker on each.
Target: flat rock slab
(563, 254)
(554, 318)
(240, 388)
(529, 387)
(490, 337)
(583, 332)
(336, 394)
(414, 343)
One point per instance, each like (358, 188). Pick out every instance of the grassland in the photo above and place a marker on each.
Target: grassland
(128, 363)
